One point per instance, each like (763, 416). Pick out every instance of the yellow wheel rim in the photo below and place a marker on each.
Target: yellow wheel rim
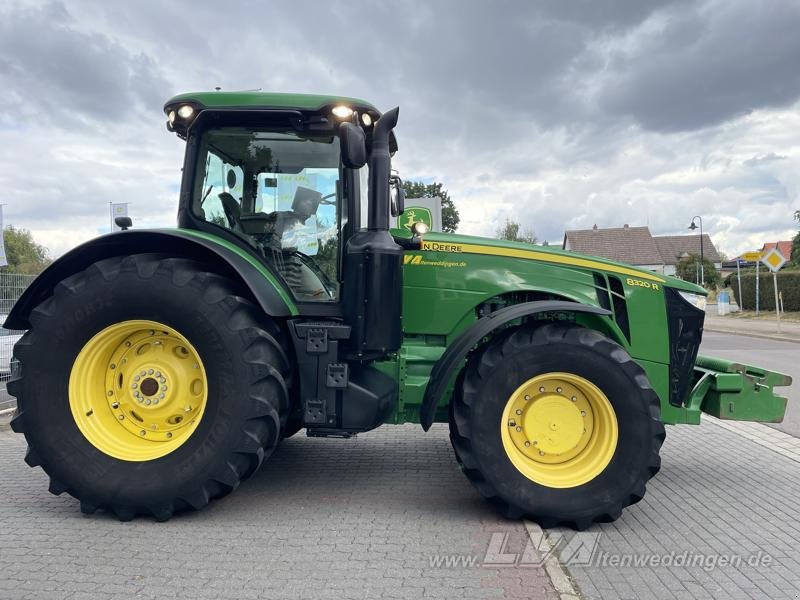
(559, 430)
(137, 390)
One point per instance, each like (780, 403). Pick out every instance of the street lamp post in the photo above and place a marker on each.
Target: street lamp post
(692, 226)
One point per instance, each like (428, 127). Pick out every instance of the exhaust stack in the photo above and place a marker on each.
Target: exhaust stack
(373, 284)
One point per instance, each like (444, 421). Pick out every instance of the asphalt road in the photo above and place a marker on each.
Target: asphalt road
(771, 354)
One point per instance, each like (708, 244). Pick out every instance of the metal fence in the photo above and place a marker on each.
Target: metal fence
(11, 287)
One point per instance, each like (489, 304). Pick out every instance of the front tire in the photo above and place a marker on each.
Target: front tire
(148, 385)
(557, 424)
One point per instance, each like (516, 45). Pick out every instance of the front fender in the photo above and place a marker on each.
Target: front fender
(454, 356)
(233, 261)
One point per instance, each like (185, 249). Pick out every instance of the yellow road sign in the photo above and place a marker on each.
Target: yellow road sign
(752, 256)
(774, 260)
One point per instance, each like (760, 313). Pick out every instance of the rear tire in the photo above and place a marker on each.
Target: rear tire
(516, 477)
(245, 390)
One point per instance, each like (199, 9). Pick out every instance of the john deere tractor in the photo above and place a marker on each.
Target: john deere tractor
(161, 367)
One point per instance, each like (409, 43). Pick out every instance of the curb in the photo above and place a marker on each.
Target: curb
(562, 582)
(5, 422)
(762, 434)
(764, 336)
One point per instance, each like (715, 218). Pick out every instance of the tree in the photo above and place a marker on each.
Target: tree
(23, 254)
(510, 231)
(796, 243)
(688, 269)
(417, 189)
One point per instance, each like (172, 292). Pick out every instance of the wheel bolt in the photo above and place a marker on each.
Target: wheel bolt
(113, 366)
(142, 373)
(512, 423)
(558, 390)
(127, 344)
(150, 372)
(541, 390)
(147, 402)
(541, 453)
(158, 373)
(519, 412)
(110, 393)
(142, 432)
(139, 399)
(134, 385)
(527, 444)
(535, 442)
(115, 405)
(163, 388)
(121, 417)
(574, 399)
(169, 434)
(583, 413)
(519, 428)
(155, 400)
(162, 380)
(137, 378)
(161, 396)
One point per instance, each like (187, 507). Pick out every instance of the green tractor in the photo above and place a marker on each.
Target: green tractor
(160, 368)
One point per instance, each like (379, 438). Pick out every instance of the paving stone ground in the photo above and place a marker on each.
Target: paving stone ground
(364, 518)
(719, 497)
(358, 518)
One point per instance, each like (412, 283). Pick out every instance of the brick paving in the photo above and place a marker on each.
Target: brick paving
(323, 519)
(363, 518)
(719, 496)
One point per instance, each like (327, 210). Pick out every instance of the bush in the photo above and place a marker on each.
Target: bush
(788, 285)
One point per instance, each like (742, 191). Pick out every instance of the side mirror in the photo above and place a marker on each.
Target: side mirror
(123, 222)
(397, 196)
(353, 144)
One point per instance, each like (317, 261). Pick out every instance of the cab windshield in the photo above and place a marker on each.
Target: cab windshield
(278, 190)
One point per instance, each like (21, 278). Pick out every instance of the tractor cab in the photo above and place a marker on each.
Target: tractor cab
(273, 180)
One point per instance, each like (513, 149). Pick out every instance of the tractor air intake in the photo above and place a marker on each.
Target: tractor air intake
(372, 299)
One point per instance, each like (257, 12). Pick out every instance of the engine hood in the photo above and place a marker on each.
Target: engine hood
(457, 243)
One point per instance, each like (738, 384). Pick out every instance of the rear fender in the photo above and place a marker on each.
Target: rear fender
(228, 259)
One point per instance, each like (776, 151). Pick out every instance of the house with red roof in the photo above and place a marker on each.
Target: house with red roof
(784, 248)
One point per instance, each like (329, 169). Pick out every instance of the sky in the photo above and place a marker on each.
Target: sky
(558, 115)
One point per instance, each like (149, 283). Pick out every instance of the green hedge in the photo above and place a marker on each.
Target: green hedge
(788, 285)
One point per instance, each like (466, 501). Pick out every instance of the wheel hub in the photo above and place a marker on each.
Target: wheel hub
(559, 429)
(154, 390)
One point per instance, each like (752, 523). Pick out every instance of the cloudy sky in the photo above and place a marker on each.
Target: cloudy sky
(556, 114)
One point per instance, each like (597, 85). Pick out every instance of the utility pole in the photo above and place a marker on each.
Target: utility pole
(757, 264)
(739, 278)
(692, 226)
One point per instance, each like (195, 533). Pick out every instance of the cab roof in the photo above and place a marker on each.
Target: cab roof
(253, 99)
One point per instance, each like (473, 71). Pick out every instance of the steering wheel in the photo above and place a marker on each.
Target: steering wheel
(324, 199)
